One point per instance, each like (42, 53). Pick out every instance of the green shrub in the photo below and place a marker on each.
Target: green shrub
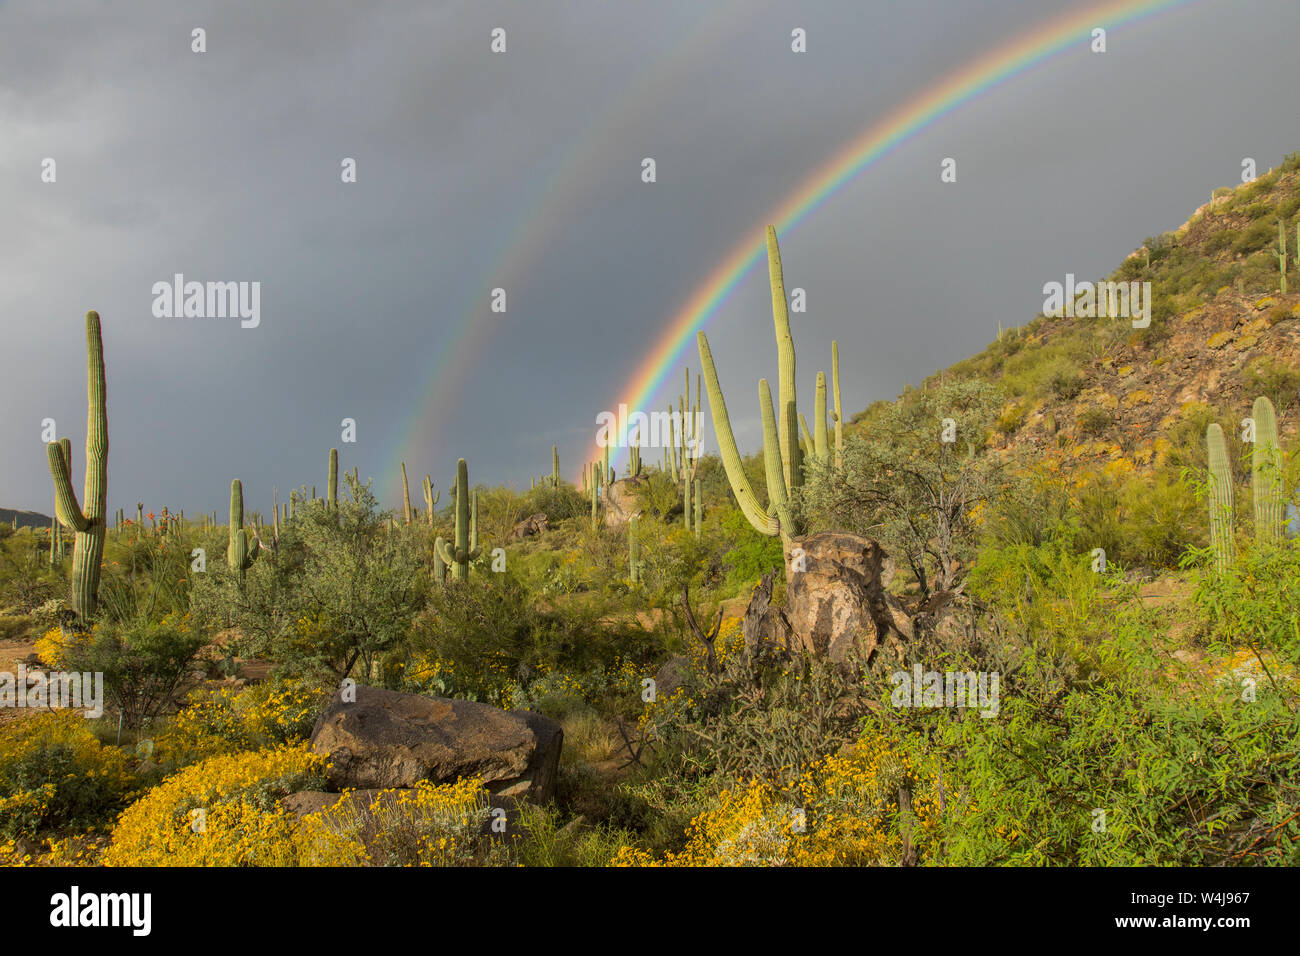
(55, 773)
(142, 663)
(1095, 422)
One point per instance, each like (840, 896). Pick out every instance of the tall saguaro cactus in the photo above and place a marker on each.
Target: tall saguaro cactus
(239, 554)
(430, 499)
(781, 452)
(332, 488)
(406, 495)
(839, 410)
(1266, 475)
(555, 466)
(89, 519)
(466, 548)
(633, 551)
(1280, 252)
(1220, 498)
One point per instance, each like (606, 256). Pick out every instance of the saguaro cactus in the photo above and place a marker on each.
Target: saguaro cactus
(430, 499)
(1280, 252)
(1220, 498)
(239, 554)
(406, 495)
(89, 519)
(839, 410)
(781, 452)
(332, 488)
(466, 548)
(686, 504)
(633, 551)
(555, 466)
(1266, 475)
(821, 442)
(699, 508)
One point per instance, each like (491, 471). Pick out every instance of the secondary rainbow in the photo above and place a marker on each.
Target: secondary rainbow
(1027, 50)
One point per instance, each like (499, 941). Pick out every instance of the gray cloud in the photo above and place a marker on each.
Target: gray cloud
(523, 170)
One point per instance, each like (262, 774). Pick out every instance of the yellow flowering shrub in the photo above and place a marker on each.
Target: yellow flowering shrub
(224, 811)
(842, 812)
(53, 647)
(428, 825)
(227, 721)
(55, 772)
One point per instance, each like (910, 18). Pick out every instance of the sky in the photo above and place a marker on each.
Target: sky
(522, 170)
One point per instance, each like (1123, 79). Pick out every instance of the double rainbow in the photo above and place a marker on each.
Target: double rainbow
(1026, 51)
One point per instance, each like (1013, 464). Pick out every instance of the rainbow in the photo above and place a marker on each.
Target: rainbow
(522, 247)
(1020, 55)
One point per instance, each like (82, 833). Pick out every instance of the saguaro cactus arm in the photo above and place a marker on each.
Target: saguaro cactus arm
(778, 500)
(787, 412)
(66, 507)
(731, 463)
(821, 444)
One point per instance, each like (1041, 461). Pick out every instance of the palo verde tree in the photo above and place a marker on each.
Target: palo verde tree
(339, 589)
(913, 477)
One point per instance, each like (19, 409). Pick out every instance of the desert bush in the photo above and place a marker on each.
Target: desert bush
(338, 591)
(142, 663)
(225, 720)
(1109, 759)
(427, 825)
(1095, 422)
(55, 773)
(903, 484)
(1256, 603)
(224, 811)
(753, 719)
(842, 810)
(1278, 382)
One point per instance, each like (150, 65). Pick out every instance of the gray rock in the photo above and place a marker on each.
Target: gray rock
(385, 739)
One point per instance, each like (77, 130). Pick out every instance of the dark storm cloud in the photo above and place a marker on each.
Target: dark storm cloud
(225, 166)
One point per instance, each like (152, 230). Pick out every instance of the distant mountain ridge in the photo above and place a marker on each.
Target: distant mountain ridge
(26, 519)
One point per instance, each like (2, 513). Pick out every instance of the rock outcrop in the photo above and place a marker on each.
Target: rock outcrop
(836, 602)
(385, 739)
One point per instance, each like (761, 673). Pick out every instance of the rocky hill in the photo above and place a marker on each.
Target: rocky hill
(26, 519)
(1098, 395)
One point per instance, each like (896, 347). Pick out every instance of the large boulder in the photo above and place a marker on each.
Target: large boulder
(386, 739)
(836, 600)
(532, 525)
(622, 500)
